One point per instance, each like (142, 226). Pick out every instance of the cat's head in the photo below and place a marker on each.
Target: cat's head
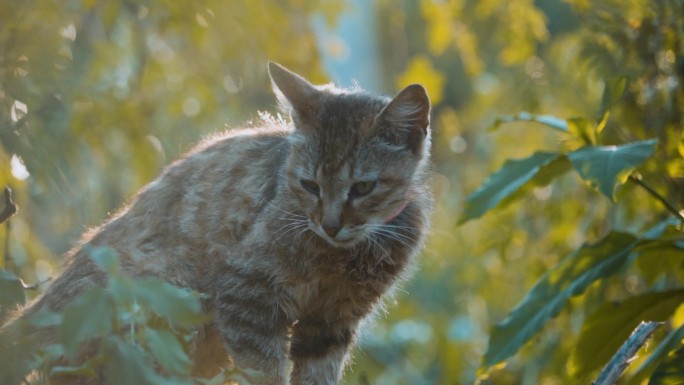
(355, 157)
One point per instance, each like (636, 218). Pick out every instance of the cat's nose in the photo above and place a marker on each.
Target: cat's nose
(332, 229)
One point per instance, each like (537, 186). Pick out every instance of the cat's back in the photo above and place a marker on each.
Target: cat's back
(201, 205)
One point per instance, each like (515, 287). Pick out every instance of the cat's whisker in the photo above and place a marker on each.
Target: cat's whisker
(376, 243)
(291, 214)
(396, 236)
(292, 220)
(388, 227)
(397, 227)
(291, 227)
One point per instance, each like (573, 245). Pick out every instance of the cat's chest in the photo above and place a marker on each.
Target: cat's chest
(336, 292)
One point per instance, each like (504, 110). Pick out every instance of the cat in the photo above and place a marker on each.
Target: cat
(295, 231)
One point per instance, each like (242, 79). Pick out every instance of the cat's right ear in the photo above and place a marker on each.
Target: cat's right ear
(408, 118)
(292, 90)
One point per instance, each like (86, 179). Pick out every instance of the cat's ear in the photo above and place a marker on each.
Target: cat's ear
(407, 118)
(292, 90)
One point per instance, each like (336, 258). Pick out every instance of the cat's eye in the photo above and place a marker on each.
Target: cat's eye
(310, 186)
(360, 189)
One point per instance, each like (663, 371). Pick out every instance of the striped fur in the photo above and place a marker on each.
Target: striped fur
(233, 220)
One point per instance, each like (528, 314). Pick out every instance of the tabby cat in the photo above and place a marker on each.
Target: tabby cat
(294, 230)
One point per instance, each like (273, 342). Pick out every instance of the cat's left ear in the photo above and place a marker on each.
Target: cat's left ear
(408, 118)
(292, 90)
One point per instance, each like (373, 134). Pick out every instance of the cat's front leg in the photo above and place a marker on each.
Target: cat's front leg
(319, 351)
(254, 328)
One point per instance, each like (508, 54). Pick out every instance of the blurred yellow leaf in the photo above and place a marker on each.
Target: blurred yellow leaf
(420, 70)
(678, 317)
(439, 29)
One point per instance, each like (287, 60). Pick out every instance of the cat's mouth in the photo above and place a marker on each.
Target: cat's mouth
(343, 244)
(342, 240)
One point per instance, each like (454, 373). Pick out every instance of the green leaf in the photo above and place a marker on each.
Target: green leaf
(105, 258)
(121, 288)
(664, 229)
(45, 319)
(88, 316)
(180, 306)
(661, 251)
(671, 371)
(669, 343)
(167, 351)
(583, 129)
(606, 329)
(603, 166)
(11, 290)
(551, 292)
(51, 353)
(547, 120)
(84, 370)
(612, 91)
(546, 174)
(128, 364)
(513, 175)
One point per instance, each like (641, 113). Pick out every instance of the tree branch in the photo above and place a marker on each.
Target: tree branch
(613, 370)
(657, 196)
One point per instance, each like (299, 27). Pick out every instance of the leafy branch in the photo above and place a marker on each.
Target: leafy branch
(604, 168)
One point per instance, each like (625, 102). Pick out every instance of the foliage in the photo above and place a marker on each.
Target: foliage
(144, 329)
(604, 168)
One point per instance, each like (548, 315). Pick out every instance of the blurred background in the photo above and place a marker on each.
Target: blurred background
(97, 96)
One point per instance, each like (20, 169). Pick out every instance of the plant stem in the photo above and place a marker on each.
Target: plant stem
(613, 370)
(657, 196)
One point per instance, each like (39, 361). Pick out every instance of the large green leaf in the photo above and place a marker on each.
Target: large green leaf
(129, 364)
(513, 175)
(549, 295)
(607, 328)
(180, 306)
(167, 351)
(661, 251)
(603, 166)
(670, 371)
(88, 316)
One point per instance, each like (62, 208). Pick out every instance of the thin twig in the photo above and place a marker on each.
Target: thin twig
(617, 365)
(657, 196)
(36, 285)
(7, 212)
(10, 207)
